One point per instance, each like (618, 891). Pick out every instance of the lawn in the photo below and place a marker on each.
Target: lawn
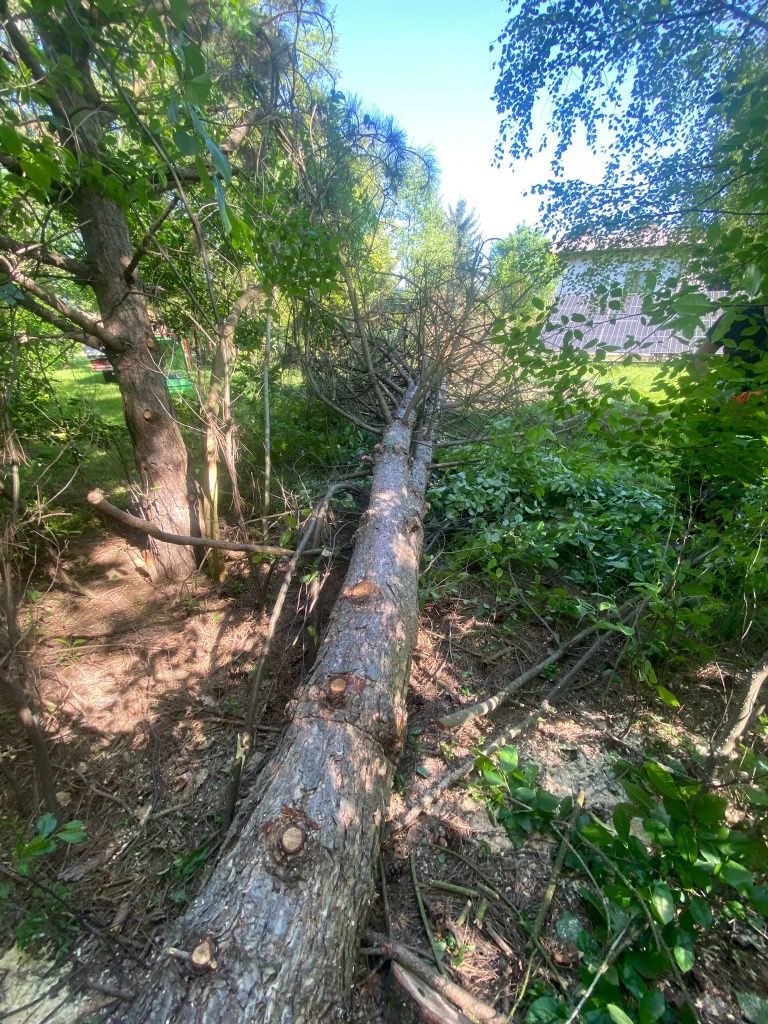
(78, 381)
(82, 440)
(643, 377)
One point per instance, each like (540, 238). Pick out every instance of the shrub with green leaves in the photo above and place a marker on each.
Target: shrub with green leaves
(665, 870)
(534, 504)
(42, 912)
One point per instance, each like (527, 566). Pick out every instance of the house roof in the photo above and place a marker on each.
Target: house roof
(652, 238)
(625, 330)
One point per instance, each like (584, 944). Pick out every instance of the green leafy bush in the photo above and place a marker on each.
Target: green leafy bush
(42, 912)
(666, 869)
(533, 505)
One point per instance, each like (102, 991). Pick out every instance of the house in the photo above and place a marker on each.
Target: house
(620, 272)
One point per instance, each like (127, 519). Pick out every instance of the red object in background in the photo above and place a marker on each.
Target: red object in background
(745, 396)
(100, 364)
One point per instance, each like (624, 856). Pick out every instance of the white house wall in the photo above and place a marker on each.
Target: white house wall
(623, 330)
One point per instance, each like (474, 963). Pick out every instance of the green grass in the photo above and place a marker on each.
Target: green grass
(643, 377)
(79, 381)
(81, 440)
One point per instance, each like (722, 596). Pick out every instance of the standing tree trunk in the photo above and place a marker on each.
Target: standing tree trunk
(168, 489)
(278, 918)
(267, 430)
(219, 427)
(14, 679)
(84, 124)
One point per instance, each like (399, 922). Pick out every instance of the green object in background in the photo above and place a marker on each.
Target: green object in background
(173, 360)
(179, 383)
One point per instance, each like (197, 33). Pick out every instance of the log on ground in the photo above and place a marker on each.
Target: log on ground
(283, 907)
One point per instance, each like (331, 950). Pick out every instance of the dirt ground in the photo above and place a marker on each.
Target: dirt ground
(143, 691)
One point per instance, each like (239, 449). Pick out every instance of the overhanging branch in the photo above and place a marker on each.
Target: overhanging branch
(99, 502)
(54, 308)
(39, 254)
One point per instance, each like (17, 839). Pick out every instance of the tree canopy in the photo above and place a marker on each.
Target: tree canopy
(656, 84)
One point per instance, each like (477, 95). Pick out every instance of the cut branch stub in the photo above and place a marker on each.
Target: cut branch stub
(337, 687)
(342, 684)
(203, 956)
(292, 844)
(292, 839)
(362, 591)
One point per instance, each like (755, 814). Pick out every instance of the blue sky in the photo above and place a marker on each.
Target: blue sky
(427, 63)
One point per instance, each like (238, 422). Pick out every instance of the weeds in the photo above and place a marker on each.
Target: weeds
(42, 912)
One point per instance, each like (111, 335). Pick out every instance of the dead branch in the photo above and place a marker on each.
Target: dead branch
(99, 502)
(755, 682)
(432, 1007)
(506, 736)
(474, 1008)
(143, 247)
(484, 707)
(425, 917)
(619, 944)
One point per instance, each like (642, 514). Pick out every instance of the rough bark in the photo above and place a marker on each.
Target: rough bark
(285, 902)
(168, 489)
(84, 125)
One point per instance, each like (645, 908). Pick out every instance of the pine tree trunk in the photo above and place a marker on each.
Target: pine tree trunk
(289, 893)
(159, 449)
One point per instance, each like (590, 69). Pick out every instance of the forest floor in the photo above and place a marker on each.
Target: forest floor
(144, 690)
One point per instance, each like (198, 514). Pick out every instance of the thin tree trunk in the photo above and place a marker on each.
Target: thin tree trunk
(14, 683)
(267, 432)
(219, 426)
(285, 902)
(757, 678)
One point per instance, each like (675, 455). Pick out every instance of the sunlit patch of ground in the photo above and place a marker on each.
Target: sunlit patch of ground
(144, 690)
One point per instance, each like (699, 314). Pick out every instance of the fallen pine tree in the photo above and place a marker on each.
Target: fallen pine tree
(273, 935)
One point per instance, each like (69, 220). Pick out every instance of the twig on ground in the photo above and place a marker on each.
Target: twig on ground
(489, 889)
(477, 1011)
(456, 890)
(557, 867)
(424, 917)
(484, 707)
(99, 933)
(531, 966)
(110, 990)
(621, 941)
(509, 734)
